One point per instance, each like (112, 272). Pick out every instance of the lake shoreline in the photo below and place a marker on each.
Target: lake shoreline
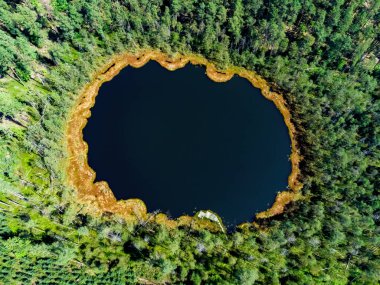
(99, 196)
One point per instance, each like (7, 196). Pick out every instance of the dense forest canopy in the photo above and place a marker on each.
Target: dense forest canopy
(323, 56)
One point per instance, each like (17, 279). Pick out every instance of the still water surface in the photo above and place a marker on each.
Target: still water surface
(181, 142)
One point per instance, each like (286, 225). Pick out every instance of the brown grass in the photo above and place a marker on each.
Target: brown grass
(98, 195)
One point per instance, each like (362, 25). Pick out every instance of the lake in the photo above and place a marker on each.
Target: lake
(183, 143)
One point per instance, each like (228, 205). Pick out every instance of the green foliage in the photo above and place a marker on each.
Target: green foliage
(322, 55)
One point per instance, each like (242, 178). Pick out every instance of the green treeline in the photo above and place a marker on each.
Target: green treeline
(323, 56)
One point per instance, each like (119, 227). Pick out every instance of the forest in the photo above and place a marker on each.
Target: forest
(323, 56)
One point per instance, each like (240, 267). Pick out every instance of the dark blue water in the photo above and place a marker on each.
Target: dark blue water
(181, 142)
